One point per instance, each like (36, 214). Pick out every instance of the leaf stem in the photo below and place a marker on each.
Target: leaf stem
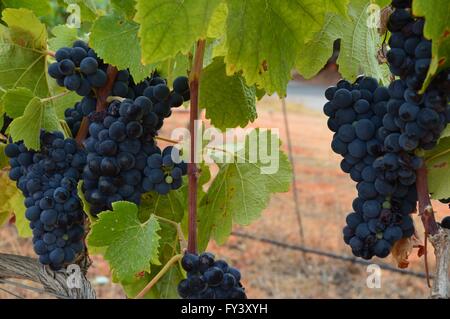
(165, 139)
(54, 97)
(437, 155)
(158, 276)
(177, 227)
(194, 79)
(50, 53)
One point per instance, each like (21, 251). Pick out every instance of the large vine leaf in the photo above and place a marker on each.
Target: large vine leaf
(16, 100)
(4, 160)
(124, 7)
(115, 39)
(39, 7)
(264, 38)
(37, 116)
(438, 165)
(22, 223)
(166, 22)
(228, 100)
(338, 6)
(131, 245)
(446, 132)
(358, 49)
(170, 207)
(22, 48)
(437, 16)
(63, 36)
(11, 201)
(166, 287)
(241, 191)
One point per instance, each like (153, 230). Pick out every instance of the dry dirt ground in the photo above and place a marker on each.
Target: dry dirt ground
(325, 195)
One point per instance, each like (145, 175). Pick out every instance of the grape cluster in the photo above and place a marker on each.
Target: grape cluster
(420, 118)
(409, 56)
(78, 69)
(164, 171)
(74, 116)
(164, 99)
(209, 279)
(120, 141)
(48, 180)
(385, 177)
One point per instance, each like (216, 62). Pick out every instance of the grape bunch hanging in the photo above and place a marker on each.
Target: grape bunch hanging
(112, 162)
(377, 131)
(119, 160)
(48, 180)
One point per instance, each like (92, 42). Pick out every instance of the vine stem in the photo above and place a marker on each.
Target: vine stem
(102, 101)
(426, 212)
(438, 237)
(158, 276)
(194, 81)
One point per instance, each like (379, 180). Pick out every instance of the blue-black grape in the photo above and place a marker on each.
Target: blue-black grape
(78, 69)
(208, 278)
(48, 180)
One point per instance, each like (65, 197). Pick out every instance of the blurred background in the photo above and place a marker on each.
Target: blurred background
(287, 252)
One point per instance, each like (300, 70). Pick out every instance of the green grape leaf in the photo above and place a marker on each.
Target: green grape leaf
(242, 188)
(26, 28)
(132, 245)
(217, 24)
(264, 38)
(165, 22)
(63, 36)
(174, 67)
(228, 101)
(39, 7)
(124, 7)
(339, 6)
(110, 35)
(438, 165)
(22, 48)
(22, 223)
(4, 160)
(358, 49)
(382, 3)
(87, 11)
(4, 217)
(16, 100)
(446, 132)
(166, 287)
(169, 206)
(27, 127)
(11, 201)
(437, 14)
